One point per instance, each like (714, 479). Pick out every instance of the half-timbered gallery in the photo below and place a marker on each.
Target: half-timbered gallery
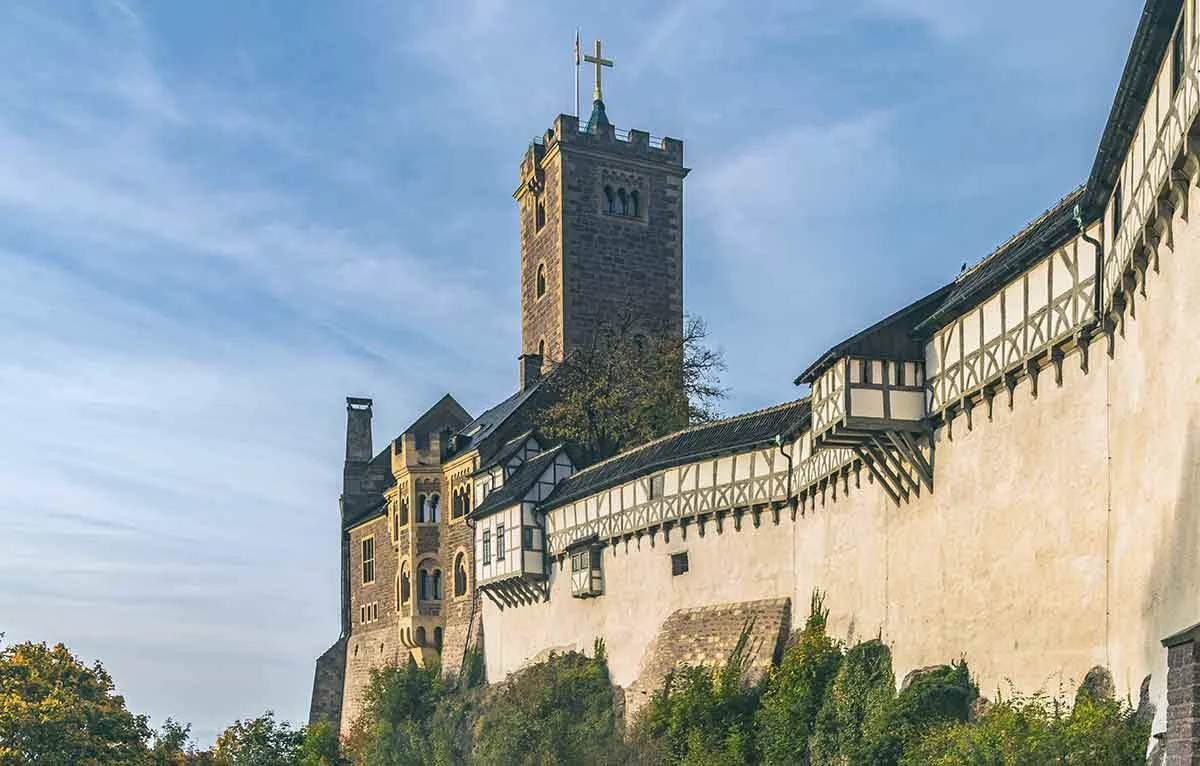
(1006, 469)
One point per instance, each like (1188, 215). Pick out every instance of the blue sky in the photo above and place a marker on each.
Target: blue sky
(218, 219)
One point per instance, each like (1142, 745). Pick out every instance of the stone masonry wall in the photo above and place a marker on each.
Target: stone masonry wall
(328, 685)
(372, 644)
(1183, 705)
(460, 613)
(705, 636)
(612, 263)
(541, 318)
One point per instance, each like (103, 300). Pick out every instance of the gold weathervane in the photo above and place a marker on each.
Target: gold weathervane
(599, 61)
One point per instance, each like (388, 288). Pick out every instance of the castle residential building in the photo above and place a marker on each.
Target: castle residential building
(1006, 469)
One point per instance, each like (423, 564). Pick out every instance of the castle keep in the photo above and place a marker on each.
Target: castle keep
(1007, 468)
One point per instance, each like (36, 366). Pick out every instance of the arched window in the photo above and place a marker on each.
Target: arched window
(437, 638)
(466, 500)
(405, 584)
(403, 511)
(436, 585)
(624, 201)
(610, 200)
(542, 348)
(456, 505)
(422, 509)
(435, 509)
(541, 281)
(460, 575)
(539, 216)
(634, 204)
(420, 635)
(423, 584)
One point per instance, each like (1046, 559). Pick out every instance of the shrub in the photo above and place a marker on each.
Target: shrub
(854, 707)
(703, 715)
(934, 697)
(795, 690)
(554, 712)
(1037, 729)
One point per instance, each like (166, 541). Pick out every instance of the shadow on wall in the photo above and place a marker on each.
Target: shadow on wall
(1166, 605)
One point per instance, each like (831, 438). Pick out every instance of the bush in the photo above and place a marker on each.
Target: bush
(855, 707)
(703, 715)
(933, 698)
(795, 690)
(555, 712)
(1037, 729)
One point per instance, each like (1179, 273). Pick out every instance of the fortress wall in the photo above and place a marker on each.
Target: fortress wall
(1155, 476)
(1003, 563)
(640, 594)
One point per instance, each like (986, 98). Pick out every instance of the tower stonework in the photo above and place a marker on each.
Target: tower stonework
(601, 216)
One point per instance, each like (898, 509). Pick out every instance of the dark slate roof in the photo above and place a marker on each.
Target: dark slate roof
(366, 507)
(891, 338)
(1150, 45)
(518, 485)
(722, 436)
(1049, 231)
(508, 449)
(446, 408)
(491, 420)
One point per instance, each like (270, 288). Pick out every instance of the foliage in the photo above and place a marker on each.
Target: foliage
(795, 689)
(855, 707)
(56, 710)
(319, 746)
(557, 711)
(261, 741)
(934, 697)
(703, 715)
(173, 746)
(1038, 729)
(626, 388)
(398, 707)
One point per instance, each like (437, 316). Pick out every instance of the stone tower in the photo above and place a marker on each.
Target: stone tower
(601, 232)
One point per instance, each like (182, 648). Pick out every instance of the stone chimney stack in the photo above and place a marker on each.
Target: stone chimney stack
(531, 369)
(358, 446)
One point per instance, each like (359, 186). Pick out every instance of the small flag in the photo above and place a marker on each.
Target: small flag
(576, 47)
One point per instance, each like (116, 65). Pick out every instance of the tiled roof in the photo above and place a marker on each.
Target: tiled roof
(728, 435)
(1150, 44)
(507, 450)
(478, 430)
(1046, 233)
(889, 338)
(519, 484)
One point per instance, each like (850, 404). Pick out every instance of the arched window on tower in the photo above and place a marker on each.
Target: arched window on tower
(423, 584)
(403, 511)
(610, 200)
(539, 219)
(422, 508)
(460, 574)
(542, 349)
(541, 280)
(435, 509)
(634, 204)
(437, 585)
(419, 633)
(405, 584)
(624, 201)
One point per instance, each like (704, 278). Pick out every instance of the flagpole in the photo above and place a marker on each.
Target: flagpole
(576, 73)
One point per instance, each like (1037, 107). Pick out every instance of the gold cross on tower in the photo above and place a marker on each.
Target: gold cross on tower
(599, 61)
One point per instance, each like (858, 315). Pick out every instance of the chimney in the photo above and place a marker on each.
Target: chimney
(531, 369)
(358, 429)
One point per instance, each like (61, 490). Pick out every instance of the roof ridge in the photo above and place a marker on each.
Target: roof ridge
(689, 429)
(1057, 206)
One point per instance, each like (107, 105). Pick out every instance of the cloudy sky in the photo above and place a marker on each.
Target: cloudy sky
(219, 218)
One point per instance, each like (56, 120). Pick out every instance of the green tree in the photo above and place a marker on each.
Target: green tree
(626, 388)
(398, 706)
(854, 707)
(319, 746)
(934, 697)
(173, 744)
(54, 710)
(795, 690)
(261, 741)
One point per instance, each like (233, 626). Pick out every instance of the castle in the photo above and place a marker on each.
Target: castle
(1006, 469)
